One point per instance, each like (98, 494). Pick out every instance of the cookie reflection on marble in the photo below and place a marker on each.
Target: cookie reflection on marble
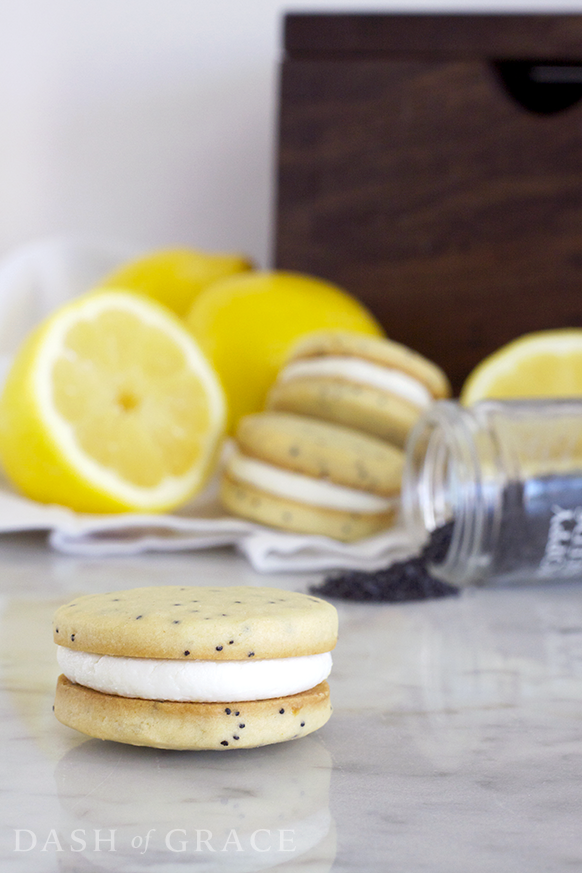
(125, 807)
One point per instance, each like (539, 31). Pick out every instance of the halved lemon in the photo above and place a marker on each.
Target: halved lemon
(175, 277)
(546, 363)
(110, 406)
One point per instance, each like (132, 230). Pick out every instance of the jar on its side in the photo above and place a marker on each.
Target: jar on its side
(503, 479)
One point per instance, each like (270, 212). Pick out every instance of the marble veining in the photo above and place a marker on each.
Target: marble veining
(455, 743)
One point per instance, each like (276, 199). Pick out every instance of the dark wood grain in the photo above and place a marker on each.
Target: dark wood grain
(457, 35)
(421, 186)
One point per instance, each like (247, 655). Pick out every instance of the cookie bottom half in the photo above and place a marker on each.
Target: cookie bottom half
(245, 500)
(195, 726)
(362, 407)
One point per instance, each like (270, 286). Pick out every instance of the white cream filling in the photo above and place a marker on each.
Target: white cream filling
(194, 681)
(305, 489)
(362, 372)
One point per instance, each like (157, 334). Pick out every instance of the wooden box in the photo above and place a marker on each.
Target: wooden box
(432, 165)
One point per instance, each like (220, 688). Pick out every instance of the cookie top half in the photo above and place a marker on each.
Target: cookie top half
(198, 623)
(376, 350)
(338, 454)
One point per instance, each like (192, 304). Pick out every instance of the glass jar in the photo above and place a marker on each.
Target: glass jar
(501, 483)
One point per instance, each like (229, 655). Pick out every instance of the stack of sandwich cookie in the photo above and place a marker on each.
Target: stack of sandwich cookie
(375, 385)
(193, 667)
(299, 474)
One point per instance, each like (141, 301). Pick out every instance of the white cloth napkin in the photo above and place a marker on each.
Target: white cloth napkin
(41, 276)
(200, 525)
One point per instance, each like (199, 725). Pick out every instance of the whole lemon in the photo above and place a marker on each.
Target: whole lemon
(247, 325)
(175, 277)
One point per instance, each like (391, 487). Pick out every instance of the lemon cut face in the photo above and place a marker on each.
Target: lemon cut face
(542, 364)
(111, 406)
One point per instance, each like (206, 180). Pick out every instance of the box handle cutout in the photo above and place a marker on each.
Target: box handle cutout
(540, 86)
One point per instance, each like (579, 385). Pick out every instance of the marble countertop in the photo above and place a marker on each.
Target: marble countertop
(455, 743)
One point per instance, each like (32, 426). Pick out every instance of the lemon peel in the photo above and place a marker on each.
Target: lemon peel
(174, 277)
(248, 324)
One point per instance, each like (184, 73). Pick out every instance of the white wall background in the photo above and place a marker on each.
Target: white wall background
(152, 121)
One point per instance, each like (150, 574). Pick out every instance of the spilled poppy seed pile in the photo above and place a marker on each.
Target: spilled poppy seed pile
(400, 582)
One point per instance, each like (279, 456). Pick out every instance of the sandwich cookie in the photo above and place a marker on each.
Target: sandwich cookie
(375, 385)
(193, 667)
(299, 474)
